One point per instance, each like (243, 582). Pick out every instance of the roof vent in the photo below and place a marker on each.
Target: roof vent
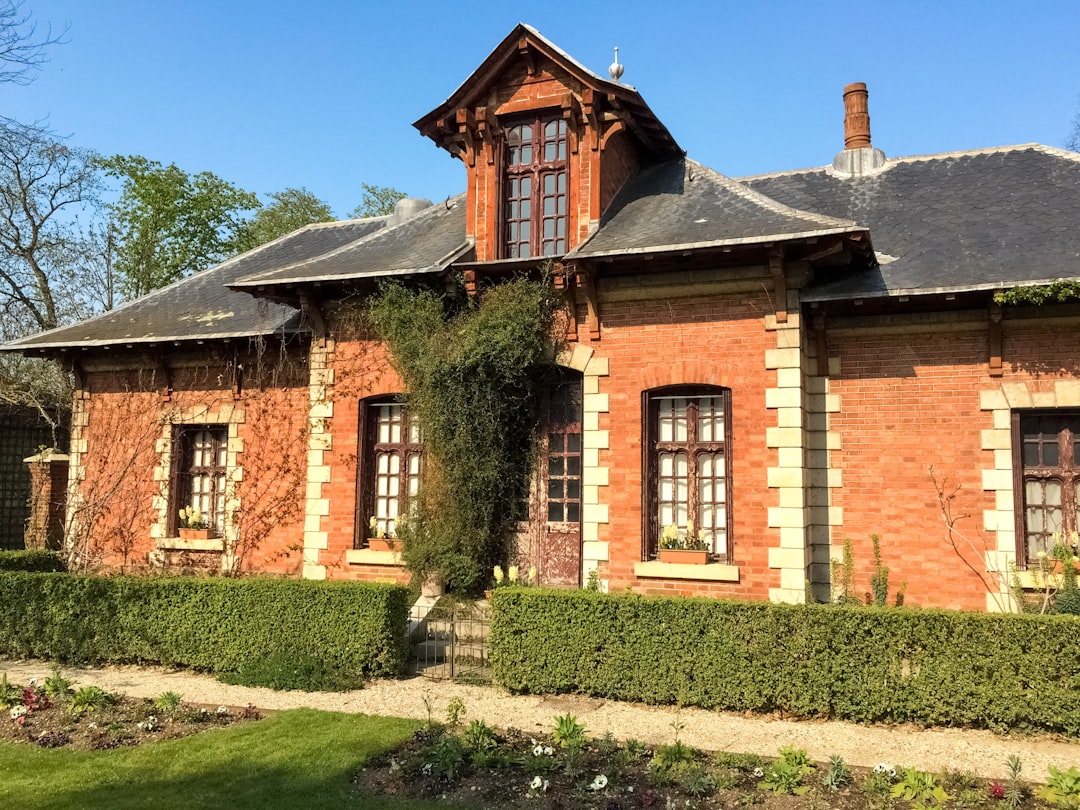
(859, 157)
(407, 208)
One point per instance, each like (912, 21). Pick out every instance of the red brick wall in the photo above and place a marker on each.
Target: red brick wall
(909, 402)
(717, 340)
(361, 369)
(125, 418)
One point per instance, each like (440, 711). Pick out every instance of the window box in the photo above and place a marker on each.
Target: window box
(686, 556)
(197, 534)
(385, 544)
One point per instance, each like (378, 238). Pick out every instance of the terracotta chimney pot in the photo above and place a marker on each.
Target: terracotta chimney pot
(856, 116)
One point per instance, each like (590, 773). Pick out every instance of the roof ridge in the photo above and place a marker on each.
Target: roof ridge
(772, 204)
(893, 161)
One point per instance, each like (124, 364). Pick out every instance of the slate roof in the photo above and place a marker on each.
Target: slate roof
(680, 204)
(953, 222)
(427, 242)
(200, 307)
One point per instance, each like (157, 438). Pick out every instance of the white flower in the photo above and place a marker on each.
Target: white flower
(536, 783)
(548, 750)
(426, 770)
(885, 767)
(599, 782)
(17, 712)
(1041, 555)
(538, 751)
(222, 710)
(758, 772)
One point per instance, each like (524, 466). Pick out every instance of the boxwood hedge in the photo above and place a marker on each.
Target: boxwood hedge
(863, 664)
(221, 625)
(31, 561)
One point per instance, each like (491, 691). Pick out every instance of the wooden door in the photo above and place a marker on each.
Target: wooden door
(559, 558)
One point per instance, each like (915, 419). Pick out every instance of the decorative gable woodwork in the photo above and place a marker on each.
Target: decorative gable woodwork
(610, 134)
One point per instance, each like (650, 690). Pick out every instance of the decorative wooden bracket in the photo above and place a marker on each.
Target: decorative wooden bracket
(237, 377)
(162, 368)
(776, 270)
(585, 282)
(821, 342)
(310, 307)
(470, 282)
(994, 342)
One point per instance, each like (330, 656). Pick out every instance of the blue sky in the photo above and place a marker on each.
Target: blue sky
(274, 94)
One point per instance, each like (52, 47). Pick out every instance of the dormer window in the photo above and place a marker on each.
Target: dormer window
(535, 188)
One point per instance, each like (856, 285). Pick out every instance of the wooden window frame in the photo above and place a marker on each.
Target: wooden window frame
(535, 170)
(367, 450)
(183, 467)
(1067, 471)
(651, 448)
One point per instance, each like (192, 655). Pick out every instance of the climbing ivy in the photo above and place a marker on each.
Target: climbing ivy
(473, 372)
(1057, 292)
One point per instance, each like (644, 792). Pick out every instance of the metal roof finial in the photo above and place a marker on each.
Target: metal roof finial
(616, 70)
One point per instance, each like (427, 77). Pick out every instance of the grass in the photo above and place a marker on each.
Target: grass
(297, 759)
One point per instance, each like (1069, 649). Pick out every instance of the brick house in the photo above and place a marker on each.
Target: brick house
(786, 361)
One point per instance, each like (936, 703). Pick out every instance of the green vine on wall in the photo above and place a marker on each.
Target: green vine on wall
(473, 373)
(1058, 292)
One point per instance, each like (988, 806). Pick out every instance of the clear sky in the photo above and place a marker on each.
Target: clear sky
(280, 93)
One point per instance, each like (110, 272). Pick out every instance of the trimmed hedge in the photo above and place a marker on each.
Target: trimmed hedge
(356, 630)
(31, 561)
(864, 664)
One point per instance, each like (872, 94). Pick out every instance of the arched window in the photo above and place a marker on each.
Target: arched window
(535, 188)
(391, 457)
(687, 442)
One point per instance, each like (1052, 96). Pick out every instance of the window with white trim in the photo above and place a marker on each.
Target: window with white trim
(687, 465)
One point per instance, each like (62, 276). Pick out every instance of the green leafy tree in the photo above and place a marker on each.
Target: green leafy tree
(377, 201)
(171, 224)
(288, 210)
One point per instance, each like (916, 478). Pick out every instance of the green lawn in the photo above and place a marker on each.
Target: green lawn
(297, 759)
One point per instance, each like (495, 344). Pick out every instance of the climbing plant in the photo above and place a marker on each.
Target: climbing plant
(473, 370)
(1057, 292)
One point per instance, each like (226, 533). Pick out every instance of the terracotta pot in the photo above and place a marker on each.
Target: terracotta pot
(196, 534)
(384, 543)
(686, 556)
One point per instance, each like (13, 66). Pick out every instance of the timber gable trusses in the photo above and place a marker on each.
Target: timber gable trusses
(468, 123)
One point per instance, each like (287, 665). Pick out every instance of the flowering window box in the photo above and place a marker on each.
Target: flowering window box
(384, 544)
(686, 556)
(197, 534)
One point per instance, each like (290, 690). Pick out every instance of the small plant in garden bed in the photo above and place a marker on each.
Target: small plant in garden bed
(478, 766)
(53, 715)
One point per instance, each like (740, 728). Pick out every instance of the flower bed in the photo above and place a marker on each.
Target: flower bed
(55, 714)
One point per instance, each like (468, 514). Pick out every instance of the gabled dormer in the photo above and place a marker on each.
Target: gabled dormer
(547, 144)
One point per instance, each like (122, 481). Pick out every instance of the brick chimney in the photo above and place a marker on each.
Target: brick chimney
(856, 116)
(859, 157)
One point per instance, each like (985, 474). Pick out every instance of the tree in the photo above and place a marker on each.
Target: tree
(377, 201)
(171, 224)
(22, 51)
(42, 179)
(288, 210)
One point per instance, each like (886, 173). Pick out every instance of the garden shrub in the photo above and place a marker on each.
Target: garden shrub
(355, 630)
(863, 664)
(31, 561)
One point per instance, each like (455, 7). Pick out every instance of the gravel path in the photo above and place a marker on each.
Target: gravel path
(938, 749)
